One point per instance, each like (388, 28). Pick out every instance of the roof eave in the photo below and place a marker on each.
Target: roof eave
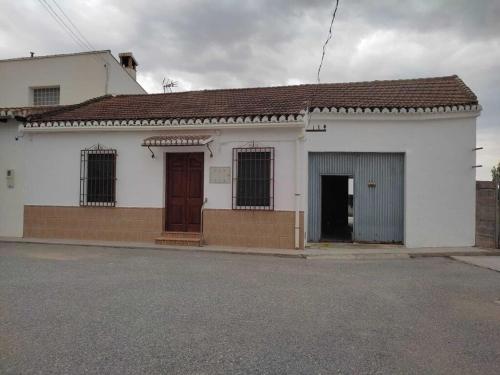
(149, 128)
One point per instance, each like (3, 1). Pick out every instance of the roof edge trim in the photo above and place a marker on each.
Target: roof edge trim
(259, 119)
(28, 58)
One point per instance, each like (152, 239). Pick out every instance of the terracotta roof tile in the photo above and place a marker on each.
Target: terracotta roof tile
(29, 111)
(281, 100)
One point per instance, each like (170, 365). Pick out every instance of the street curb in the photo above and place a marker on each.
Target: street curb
(297, 255)
(454, 254)
(158, 247)
(385, 256)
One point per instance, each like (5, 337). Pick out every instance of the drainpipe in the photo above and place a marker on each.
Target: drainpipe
(106, 81)
(497, 214)
(202, 209)
(297, 189)
(297, 194)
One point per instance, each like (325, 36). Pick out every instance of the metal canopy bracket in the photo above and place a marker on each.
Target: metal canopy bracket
(178, 140)
(152, 153)
(209, 149)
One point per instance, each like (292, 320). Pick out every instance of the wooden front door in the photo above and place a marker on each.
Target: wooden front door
(184, 191)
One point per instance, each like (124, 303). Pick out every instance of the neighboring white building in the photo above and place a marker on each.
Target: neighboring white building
(263, 167)
(39, 83)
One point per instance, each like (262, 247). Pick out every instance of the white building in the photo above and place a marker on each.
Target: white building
(264, 167)
(39, 83)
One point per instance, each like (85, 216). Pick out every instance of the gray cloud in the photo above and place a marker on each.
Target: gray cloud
(235, 43)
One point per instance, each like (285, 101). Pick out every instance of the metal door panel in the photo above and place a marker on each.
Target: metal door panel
(378, 193)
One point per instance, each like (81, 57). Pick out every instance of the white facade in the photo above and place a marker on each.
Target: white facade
(80, 77)
(438, 148)
(54, 180)
(439, 174)
(11, 197)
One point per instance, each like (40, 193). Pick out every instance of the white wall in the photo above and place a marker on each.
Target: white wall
(80, 77)
(120, 81)
(11, 199)
(53, 166)
(439, 178)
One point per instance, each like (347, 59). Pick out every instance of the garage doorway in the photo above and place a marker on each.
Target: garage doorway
(337, 208)
(378, 192)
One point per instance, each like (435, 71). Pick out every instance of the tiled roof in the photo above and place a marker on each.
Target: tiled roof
(267, 101)
(27, 111)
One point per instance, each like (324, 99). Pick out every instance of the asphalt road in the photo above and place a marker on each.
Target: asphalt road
(89, 310)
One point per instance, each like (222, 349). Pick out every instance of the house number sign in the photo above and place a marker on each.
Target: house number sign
(220, 175)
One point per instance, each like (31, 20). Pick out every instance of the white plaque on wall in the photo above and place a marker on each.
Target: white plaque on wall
(220, 175)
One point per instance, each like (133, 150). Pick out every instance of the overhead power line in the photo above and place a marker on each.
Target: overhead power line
(82, 43)
(45, 6)
(74, 26)
(330, 35)
(315, 89)
(74, 33)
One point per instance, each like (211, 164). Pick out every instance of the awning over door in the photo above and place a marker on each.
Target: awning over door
(177, 140)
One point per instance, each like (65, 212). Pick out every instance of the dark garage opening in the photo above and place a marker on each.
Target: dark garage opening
(337, 217)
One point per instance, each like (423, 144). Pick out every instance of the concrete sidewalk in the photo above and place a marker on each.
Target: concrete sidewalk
(313, 251)
(492, 263)
(368, 251)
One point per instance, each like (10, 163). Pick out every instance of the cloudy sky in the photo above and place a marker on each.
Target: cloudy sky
(235, 43)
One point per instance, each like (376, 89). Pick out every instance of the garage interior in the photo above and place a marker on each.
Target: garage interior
(336, 208)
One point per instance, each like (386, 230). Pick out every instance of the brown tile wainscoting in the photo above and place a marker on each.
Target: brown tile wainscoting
(273, 229)
(93, 223)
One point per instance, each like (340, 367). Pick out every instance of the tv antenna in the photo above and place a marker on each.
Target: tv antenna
(168, 84)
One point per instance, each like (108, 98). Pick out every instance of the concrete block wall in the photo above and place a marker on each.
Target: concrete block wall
(487, 213)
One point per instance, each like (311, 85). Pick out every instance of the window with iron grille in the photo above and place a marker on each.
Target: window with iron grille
(46, 96)
(253, 178)
(98, 177)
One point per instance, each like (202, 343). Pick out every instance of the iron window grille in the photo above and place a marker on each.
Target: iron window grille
(253, 178)
(98, 177)
(46, 96)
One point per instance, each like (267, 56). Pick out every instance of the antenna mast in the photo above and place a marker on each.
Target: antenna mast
(168, 84)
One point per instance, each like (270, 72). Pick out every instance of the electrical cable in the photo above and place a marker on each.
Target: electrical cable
(74, 26)
(61, 22)
(329, 37)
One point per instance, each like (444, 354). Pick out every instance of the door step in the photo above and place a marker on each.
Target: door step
(179, 239)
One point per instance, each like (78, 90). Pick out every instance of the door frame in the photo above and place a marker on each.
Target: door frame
(165, 183)
(348, 175)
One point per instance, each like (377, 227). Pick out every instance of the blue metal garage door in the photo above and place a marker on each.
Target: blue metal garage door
(378, 193)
